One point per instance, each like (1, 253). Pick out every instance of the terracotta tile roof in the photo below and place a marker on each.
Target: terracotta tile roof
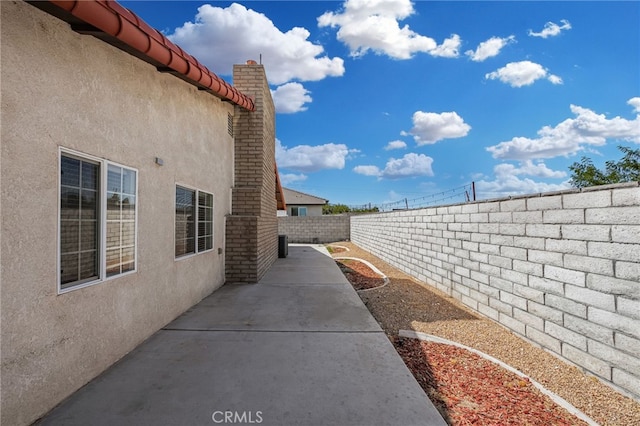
(117, 25)
(280, 200)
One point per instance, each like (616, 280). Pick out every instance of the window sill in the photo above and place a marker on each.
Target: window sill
(92, 283)
(190, 255)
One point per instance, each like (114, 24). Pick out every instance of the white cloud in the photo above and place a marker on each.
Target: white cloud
(448, 48)
(306, 158)
(411, 165)
(635, 103)
(524, 73)
(430, 127)
(505, 185)
(570, 136)
(551, 29)
(290, 98)
(367, 170)
(289, 178)
(527, 168)
(395, 145)
(373, 25)
(554, 79)
(489, 48)
(220, 37)
(507, 182)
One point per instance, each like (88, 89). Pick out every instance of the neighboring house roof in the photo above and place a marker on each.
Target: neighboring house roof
(297, 198)
(120, 27)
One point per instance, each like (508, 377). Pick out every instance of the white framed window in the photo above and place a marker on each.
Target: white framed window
(298, 211)
(194, 221)
(97, 220)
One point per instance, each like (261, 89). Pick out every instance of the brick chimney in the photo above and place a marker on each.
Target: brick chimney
(252, 227)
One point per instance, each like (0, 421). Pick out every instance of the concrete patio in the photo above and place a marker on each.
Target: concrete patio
(298, 348)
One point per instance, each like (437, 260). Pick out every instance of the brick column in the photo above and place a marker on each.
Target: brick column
(252, 227)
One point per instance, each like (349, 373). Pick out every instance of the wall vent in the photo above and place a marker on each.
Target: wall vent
(230, 124)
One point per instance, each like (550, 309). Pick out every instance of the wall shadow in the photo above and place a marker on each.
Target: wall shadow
(359, 275)
(417, 362)
(402, 302)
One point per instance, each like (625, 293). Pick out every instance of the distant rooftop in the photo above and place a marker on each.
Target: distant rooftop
(300, 198)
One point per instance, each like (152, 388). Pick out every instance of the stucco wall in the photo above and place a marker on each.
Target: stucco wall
(314, 229)
(62, 89)
(311, 210)
(561, 269)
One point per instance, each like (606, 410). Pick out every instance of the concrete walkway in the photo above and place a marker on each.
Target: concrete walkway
(298, 348)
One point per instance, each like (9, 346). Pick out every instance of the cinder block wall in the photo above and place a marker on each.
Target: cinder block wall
(251, 228)
(315, 229)
(561, 269)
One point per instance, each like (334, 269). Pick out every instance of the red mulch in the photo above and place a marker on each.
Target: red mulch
(359, 275)
(470, 390)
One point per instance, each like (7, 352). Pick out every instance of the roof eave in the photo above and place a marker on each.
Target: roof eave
(120, 27)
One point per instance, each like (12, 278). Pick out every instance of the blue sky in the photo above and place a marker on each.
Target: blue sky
(385, 100)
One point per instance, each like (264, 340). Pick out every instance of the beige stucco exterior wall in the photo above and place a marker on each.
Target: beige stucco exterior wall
(311, 210)
(62, 89)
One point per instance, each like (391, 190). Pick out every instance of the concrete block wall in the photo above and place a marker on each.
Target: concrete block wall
(561, 269)
(315, 229)
(252, 228)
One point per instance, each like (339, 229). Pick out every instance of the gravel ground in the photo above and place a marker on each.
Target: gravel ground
(406, 304)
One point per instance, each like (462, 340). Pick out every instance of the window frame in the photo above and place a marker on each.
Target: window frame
(101, 245)
(298, 210)
(197, 221)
